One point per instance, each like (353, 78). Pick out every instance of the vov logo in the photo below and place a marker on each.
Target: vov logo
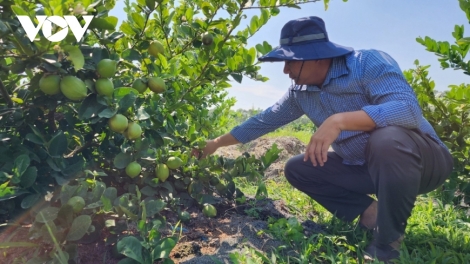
(46, 22)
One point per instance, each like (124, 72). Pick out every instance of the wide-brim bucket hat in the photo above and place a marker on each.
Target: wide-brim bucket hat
(305, 39)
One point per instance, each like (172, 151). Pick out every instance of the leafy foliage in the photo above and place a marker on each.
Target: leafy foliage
(62, 143)
(448, 112)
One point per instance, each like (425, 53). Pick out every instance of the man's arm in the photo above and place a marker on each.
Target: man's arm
(214, 144)
(392, 100)
(317, 148)
(281, 113)
(354, 121)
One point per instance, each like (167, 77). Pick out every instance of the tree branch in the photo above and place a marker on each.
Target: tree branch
(197, 81)
(80, 149)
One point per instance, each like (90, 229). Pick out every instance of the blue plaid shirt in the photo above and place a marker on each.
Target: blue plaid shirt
(368, 80)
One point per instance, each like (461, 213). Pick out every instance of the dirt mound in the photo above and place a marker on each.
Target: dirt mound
(290, 147)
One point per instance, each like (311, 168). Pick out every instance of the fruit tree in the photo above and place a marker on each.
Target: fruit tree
(106, 123)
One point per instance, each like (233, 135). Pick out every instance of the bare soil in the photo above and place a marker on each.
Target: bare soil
(203, 240)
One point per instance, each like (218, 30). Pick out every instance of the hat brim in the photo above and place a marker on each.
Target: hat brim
(310, 51)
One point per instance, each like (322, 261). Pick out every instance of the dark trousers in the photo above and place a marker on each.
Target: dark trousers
(400, 164)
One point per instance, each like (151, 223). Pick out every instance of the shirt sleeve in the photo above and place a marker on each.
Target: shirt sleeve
(392, 100)
(283, 112)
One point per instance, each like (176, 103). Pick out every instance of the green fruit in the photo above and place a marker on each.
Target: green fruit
(214, 181)
(104, 86)
(73, 88)
(133, 169)
(118, 123)
(139, 85)
(207, 39)
(50, 84)
(162, 172)
(155, 48)
(220, 187)
(174, 163)
(209, 210)
(134, 131)
(157, 85)
(184, 216)
(106, 68)
(77, 203)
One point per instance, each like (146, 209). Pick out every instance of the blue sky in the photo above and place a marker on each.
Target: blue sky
(391, 26)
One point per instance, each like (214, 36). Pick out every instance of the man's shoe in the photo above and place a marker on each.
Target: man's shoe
(385, 253)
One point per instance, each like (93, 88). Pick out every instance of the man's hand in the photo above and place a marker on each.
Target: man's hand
(209, 149)
(317, 148)
(213, 145)
(328, 132)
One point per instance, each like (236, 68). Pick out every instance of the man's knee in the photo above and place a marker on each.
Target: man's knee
(292, 166)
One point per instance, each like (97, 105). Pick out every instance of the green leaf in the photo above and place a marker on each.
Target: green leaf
(75, 56)
(251, 56)
(130, 214)
(270, 156)
(79, 227)
(3, 28)
(189, 14)
(47, 214)
(127, 101)
(108, 23)
(260, 48)
(65, 215)
(97, 191)
(138, 20)
(237, 77)
(110, 193)
(19, 11)
(261, 191)
(120, 92)
(21, 165)
(73, 169)
(150, 4)
(149, 191)
(163, 249)
(207, 8)
(36, 131)
(58, 145)
(52, 164)
(90, 107)
(154, 206)
(29, 177)
(254, 24)
(122, 160)
(107, 113)
(131, 55)
(462, 41)
(127, 29)
(34, 138)
(107, 205)
(131, 247)
(30, 200)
